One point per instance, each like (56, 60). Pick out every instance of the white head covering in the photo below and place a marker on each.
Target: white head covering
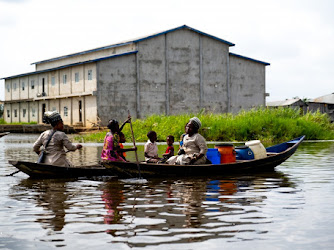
(196, 122)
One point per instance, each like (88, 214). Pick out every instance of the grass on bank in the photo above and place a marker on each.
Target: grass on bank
(3, 122)
(268, 125)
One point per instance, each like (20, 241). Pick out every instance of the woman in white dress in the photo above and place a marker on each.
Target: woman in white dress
(194, 146)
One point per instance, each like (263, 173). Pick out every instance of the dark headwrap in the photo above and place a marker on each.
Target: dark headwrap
(112, 123)
(51, 117)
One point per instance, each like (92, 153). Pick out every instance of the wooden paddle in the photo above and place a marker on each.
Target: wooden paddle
(134, 144)
(13, 173)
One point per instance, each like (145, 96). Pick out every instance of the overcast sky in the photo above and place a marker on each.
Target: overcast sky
(295, 36)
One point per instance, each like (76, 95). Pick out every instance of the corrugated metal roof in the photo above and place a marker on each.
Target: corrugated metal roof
(68, 65)
(248, 58)
(183, 27)
(82, 53)
(135, 41)
(324, 99)
(286, 102)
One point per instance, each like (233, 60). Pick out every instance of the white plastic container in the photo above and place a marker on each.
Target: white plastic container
(257, 148)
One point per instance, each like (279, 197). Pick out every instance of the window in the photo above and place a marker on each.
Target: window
(14, 86)
(90, 74)
(43, 86)
(32, 83)
(76, 77)
(8, 113)
(8, 87)
(65, 111)
(33, 112)
(64, 79)
(54, 109)
(53, 81)
(23, 85)
(24, 112)
(15, 112)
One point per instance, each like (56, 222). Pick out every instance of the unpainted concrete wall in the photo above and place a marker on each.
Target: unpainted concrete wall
(178, 72)
(182, 72)
(152, 76)
(215, 75)
(247, 80)
(116, 88)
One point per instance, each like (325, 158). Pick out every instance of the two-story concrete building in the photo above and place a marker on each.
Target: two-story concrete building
(176, 71)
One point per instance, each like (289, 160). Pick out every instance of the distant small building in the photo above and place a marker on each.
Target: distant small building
(325, 104)
(294, 103)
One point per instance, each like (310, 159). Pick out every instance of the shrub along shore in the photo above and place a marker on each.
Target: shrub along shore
(267, 125)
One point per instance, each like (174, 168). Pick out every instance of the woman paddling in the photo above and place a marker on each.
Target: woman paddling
(111, 148)
(54, 141)
(194, 148)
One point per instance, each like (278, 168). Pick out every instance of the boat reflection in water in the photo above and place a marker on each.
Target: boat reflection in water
(163, 210)
(51, 196)
(112, 197)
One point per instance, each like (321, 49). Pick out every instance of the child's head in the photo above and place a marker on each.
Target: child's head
(121, 137)
(170, 140)
(152, 135)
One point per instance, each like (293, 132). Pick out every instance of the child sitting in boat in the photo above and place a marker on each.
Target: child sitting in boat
(181, 150)
(170, 149)
(151, 148)
(121, 146)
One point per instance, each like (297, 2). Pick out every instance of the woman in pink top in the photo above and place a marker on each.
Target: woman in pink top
(111, 149)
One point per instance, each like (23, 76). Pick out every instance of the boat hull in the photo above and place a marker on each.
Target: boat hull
(275, 156)
(4, 133)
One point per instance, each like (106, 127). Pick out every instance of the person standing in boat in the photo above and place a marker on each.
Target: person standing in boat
(54, 153)
(111, 149)
(194, 146)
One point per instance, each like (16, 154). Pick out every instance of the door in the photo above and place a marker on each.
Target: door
(80, 111)
(43, 110)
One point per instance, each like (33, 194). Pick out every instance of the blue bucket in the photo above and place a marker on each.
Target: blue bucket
(213, 155)
(244, 153)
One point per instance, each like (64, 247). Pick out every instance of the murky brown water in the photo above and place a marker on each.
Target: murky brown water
(291, 208)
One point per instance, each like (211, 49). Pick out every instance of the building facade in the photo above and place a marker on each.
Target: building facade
(323, 104)
(296, 103)
(177, 71)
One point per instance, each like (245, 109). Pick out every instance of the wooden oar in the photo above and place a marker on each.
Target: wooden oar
(13, 173)
(134, 144)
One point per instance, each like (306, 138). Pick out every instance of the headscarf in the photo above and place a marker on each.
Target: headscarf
(51, 117)
(196, 122)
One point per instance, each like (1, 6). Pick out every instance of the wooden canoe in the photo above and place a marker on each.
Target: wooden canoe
(275, 156)
(3, 134)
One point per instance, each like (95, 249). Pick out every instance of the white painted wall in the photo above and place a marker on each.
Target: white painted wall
(33, 114)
